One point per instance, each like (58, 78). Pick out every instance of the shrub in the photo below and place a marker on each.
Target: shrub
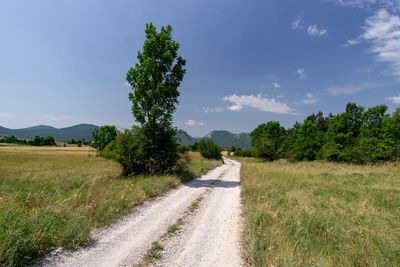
(243, 152)
(182, 149)
(209, 150)
(128, 150)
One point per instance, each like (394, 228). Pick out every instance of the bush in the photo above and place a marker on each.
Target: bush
(128, 150)
(243, 153)
(137, 154)
(182, 149)
(209, 150)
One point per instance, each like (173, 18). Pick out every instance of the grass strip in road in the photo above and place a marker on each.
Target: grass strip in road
(51, 199)
(154, 253)
(320, 214)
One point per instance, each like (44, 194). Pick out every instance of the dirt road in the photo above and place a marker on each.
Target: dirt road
(210, 236)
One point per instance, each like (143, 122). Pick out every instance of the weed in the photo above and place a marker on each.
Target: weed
(154, 253)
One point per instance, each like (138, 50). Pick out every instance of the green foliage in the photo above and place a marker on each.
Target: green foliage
(194, 147)
(356, 135)
(209, 149)
(243, 152)
(103, 136)
(155, 80)
(128, 149)
(307, 141)
(182, 149)
(267, 140)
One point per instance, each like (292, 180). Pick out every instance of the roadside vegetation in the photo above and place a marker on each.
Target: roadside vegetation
(357, 135)
(51, 199)
(37, 141)
(320, 213)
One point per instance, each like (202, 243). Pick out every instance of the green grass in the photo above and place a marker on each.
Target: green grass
(51, 199)
(154, 253)
(174, 228)
(320, 214)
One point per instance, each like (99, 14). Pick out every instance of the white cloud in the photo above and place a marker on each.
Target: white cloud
(337, 90)
(310, 99)
(258, 102)
(383, 31)
(370, 4)
(301, 74)
(313, 30)
(51, 117)
(194, 123)
(276, 85)
(350, 89)
(297, 24)
(209, 110)
(350, 43)
(394, 99)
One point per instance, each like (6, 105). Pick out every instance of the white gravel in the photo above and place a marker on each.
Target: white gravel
(210, 238)
(212, 235)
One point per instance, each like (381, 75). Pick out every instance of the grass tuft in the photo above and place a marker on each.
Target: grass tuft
(154, 253)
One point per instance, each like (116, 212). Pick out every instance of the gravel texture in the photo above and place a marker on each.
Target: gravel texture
(211, 237)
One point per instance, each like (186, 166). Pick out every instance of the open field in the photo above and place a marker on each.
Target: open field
(54, 198)
(320, 214)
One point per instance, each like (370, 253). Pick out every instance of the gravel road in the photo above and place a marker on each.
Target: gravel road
(210, 237)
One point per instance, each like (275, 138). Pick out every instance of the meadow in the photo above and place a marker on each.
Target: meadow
(320, 214)
(53, 197)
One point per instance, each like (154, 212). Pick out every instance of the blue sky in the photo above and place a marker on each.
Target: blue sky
(248, 62)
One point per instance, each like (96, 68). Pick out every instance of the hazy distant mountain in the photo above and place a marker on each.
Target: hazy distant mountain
(223, 138)
(79, 131)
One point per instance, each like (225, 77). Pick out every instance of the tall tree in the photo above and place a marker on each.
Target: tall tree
(267, 140)
(155, 80)
(103, 136)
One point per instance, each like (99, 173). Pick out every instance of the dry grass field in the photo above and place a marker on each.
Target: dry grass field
(53, 197)
(321, 214)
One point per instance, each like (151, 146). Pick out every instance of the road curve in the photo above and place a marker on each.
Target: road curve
(210, 238)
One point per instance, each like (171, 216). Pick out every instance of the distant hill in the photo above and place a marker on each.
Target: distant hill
(79, 131)
(223, 138)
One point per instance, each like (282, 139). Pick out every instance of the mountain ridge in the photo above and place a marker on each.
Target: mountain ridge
(223, 138)
(78, 131)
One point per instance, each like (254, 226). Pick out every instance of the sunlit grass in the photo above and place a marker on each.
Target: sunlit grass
(321, 214)
(51, 199)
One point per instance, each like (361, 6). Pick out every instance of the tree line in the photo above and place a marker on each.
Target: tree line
(358, 135)
(37, 141)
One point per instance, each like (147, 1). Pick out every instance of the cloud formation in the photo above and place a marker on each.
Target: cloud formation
(394, 99)
(310, 99)
(210, 110)
(370, 4)
(194, 123)
(313, 30)
(383, 31)
(258, 102)
(301, 73)
(297, 24)
(351, 42)
(276, 85)
(350, 89)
